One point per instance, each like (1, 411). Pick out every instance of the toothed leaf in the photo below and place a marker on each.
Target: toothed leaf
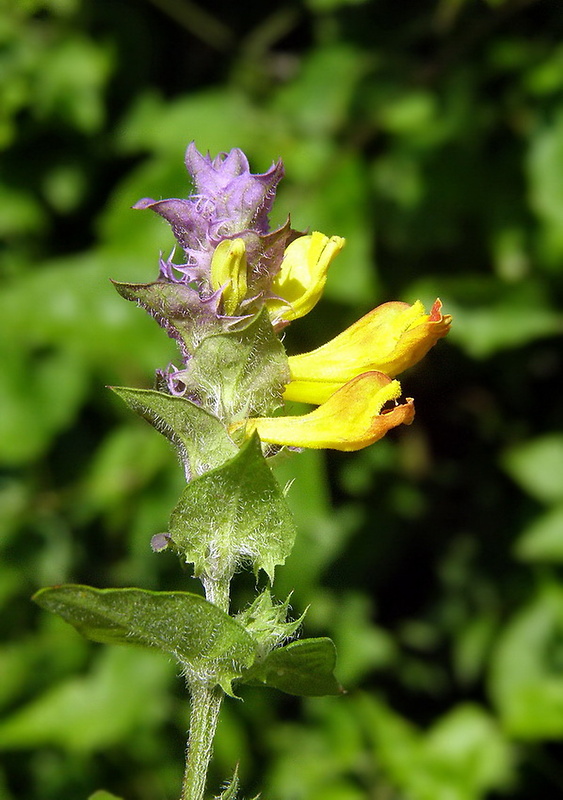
(201, 439)
(244, 372)
(238, 513)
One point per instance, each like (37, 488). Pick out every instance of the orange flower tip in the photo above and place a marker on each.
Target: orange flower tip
(437, 316)
(408, 412)
(435, 311)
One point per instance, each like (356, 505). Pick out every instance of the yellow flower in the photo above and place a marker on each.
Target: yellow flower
(352, 418)
(228, 270)
(302, 276)
(389, 339)
(350, 378)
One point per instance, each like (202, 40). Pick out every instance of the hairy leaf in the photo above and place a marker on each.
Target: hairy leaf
(244, 371)
(202, 637)
(200, 437)
(237, 513)
(304, 667)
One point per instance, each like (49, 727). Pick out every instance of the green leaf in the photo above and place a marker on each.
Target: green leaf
(200, 437)
(537, 465)
(238, 513)
(463, 756)
(231, 789)
(198, 634)
(305, 668)
(526, 681)
(244, 371)
(542, 539)
(101, 794)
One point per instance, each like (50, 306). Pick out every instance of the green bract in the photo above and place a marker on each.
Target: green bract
(234, 515)
(240, 373)
(201, 440)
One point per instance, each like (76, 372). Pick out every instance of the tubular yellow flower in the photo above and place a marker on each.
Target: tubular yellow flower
(228, 270)
(352, 418)
(389, 339)
(300, 282)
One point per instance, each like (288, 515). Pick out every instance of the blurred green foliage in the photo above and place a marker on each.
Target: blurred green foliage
(428, 133)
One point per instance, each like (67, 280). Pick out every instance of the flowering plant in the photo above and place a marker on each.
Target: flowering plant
(236, 287)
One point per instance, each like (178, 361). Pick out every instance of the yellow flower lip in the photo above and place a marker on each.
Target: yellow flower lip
(302, 276)
(351, 419)
(389, 339)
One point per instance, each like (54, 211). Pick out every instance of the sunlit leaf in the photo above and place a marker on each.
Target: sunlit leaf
(198, 634)
(200, 437)
(237, 512)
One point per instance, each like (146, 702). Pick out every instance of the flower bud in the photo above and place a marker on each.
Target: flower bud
(228, 271)
(302, 276)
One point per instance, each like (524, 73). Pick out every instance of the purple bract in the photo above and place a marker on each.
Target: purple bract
(229, 202)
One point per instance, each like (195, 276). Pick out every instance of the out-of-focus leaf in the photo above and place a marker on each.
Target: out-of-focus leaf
(126, 461)
(353, 623)
(323, 531)
(545, 170)
(74, 284)
(101, 794)
(318, 759)
(485, 331)
(526, 681)
(537, 466)
(71, 83)
(335, 198)
(20, 213)
(472, 647)
(544, 77)
(39, 397)
(542, 539)
(93, 712)
(320, 96)
(65, 187)
(323, 6)
(411, 113)
(463, 756)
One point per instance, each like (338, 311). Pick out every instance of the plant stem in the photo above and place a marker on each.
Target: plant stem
(206, 702)
(205, 705)
(217, 591)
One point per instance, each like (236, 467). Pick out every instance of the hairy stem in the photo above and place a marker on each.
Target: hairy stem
(217, 591)
(205, 705)
(206, 702)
